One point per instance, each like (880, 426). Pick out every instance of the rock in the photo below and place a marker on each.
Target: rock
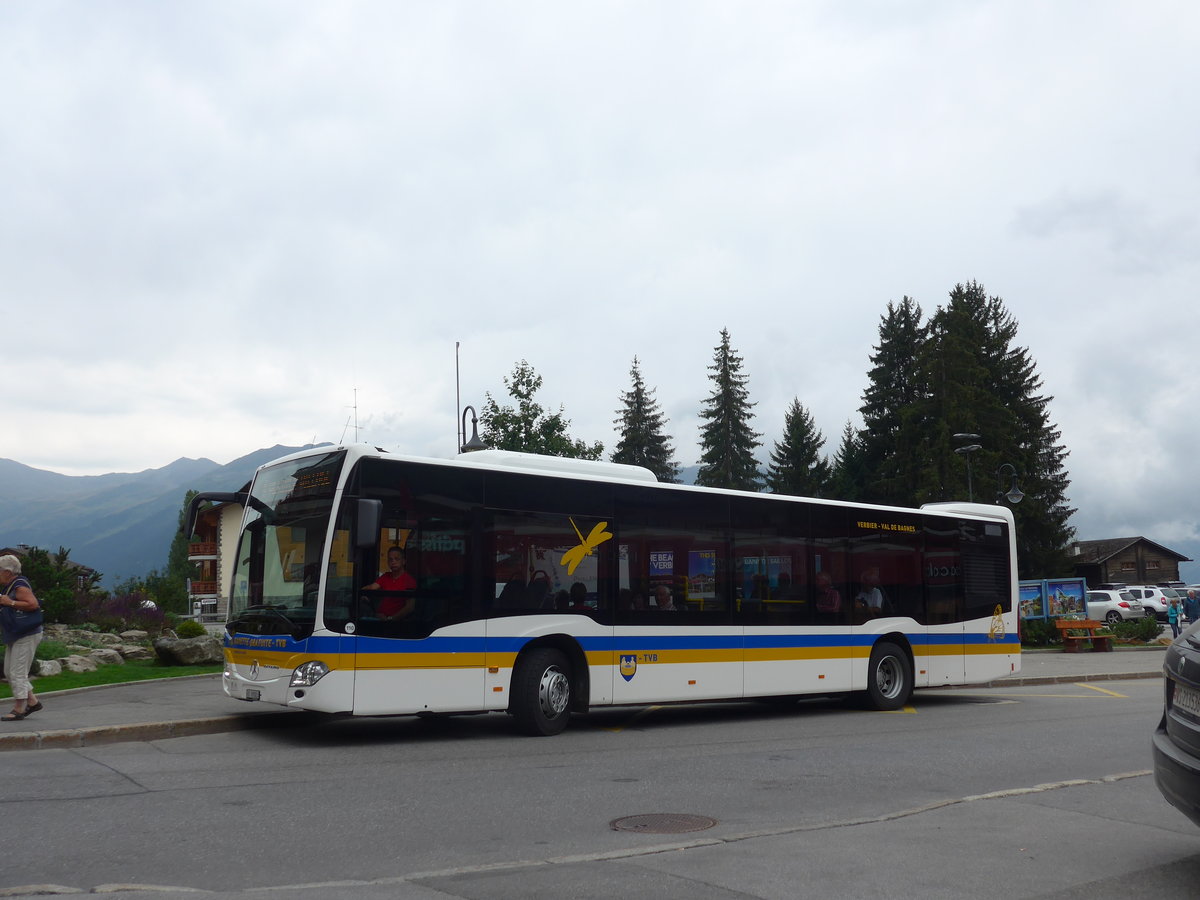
(197, 651)
(132, 651)
(106, 638)
(79, 664)
(135, 635)
(43, 667)
(107, 657)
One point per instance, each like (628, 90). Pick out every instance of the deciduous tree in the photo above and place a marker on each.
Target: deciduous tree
(527, 426)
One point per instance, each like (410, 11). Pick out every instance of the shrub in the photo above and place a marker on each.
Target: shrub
(1039, 633)
(121, 612)
(1146, 629)
(46, 650)
(59, 605)
(51, 650)
(190, 628)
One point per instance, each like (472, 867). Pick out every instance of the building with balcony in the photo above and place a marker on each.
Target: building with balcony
(212, 551)
(1132, 560)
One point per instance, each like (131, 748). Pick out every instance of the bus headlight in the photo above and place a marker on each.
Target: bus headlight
(309, 673)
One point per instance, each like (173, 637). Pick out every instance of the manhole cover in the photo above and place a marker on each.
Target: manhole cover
(662, 823)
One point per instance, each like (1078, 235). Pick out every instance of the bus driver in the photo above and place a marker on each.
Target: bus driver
(395, 579)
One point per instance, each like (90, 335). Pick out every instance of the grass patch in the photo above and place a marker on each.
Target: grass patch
(133, 670)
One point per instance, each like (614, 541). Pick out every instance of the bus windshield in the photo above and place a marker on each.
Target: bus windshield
(279, 555)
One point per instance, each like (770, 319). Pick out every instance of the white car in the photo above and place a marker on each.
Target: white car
(1115, 606)
(1155, 598)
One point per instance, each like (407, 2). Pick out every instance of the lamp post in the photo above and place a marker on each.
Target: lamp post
(966, 452)
(1014, 494)
(474, 443)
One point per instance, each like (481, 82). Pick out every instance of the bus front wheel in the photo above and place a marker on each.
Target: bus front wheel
(541, 692)
(889, 678)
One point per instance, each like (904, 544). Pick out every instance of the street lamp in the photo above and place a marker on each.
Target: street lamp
(474, 443)
(966, 452)
(1014, 494)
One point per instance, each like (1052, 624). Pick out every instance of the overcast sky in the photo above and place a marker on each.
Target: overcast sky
(225, 225)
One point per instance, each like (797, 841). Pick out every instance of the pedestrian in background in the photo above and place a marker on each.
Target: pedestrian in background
(1173, 617)
(21, 624)
(1191, 607)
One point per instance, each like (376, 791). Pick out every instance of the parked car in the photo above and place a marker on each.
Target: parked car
(1114, 606)
(1177, 738)
(1155, 598)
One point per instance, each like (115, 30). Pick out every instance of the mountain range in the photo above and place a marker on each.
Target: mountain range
(120, 524)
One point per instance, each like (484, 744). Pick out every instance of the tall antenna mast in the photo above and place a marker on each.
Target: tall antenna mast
(460, 437)
(353, 417)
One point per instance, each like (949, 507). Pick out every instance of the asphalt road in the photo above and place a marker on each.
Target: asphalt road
(1024, 791)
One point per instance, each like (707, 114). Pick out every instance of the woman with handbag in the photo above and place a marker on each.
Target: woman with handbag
(21, 624)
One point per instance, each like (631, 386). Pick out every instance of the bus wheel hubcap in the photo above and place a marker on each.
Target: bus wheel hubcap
(553, 692)
(887, 677)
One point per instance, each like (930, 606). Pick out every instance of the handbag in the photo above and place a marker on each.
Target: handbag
(17, 623)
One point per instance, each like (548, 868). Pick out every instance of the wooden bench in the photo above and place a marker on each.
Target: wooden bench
(1085, 630)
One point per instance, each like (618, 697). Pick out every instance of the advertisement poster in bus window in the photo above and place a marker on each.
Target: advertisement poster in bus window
(1066, 597)
(702, 575)
(1033, 603)
(762, 572)
(662, 568)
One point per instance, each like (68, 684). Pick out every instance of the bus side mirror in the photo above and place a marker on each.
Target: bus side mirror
(370, 515)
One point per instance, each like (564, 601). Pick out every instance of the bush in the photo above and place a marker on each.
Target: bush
(190, 628)
(1146, 629)
(51, 650)
(46, 650)
(59, 605)
(121, 612)
(1039, 633)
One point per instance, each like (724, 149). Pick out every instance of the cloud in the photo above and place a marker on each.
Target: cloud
(229, 226)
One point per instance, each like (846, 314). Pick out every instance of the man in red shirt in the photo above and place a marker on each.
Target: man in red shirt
(395, 579)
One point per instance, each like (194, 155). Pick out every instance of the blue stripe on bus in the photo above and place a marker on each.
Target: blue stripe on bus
(328, 644)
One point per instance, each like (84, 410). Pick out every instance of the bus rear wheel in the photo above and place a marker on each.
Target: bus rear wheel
(541, 692)
(889, 677)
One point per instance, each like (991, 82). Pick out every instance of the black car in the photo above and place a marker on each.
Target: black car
(1177, 738)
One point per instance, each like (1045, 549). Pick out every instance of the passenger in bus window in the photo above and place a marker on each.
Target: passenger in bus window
(394, 579)
(828, 600)
(627, 599)
(664, 600)
(784, 589)
(579, 596)
(870, 600)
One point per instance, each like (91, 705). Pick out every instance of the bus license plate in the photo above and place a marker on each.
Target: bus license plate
(252, 694)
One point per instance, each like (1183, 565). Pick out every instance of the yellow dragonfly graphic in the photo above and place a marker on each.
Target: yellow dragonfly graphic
(597, 536)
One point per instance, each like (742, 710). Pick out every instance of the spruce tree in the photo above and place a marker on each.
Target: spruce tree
(848, 471)
(527, 426)
(889, 457)
(796, 466)
(980, 382)
(727, 442)
(641, 422)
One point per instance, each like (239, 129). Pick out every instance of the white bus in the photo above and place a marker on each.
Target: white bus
(541, 586)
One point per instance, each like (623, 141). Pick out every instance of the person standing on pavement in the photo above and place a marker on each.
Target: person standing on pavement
(1191, 606)
(1173, 617)
(19, 644)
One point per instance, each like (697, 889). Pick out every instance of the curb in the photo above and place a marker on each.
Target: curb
(1022, 680)
(97, 735)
